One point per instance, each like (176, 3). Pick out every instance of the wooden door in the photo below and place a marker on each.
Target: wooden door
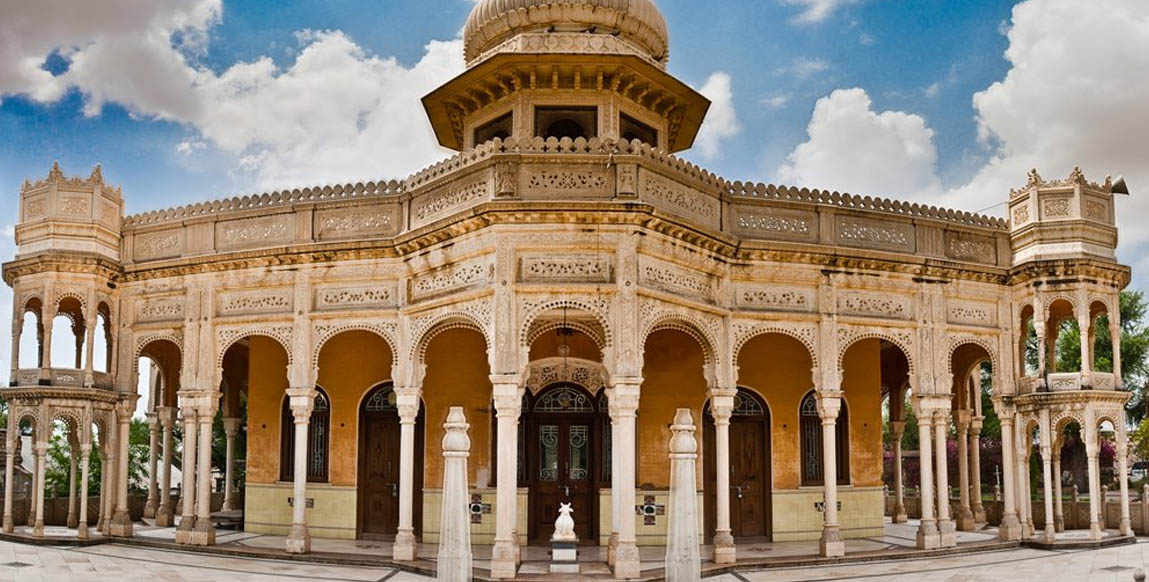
(562, 468)
(749, 479)
(379, 475)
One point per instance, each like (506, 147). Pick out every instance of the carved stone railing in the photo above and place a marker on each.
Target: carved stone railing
(1064, 381)
(538, 169)
(1026, 385)
(1103, 380)
(61, 377)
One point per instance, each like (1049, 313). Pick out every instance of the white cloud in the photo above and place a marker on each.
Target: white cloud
(814, 11)
(722, 120)
(854, 149)
(803, 67)
(776, 101)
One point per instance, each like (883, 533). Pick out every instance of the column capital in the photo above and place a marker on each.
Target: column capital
(622, 397)
(829, 404)
(897, 429)
(722, 403)
(302, 401)
(507, 394)
(407, 402)
(231, 426)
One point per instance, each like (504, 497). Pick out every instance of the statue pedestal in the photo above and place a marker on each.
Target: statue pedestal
(564, 557)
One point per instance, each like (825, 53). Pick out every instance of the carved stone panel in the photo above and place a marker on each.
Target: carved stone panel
(356, 296)
(450, 279)
(159, 245)
(761, 298)
(256, 232)
(655, 274)
(556, 181)
(452, 197)
(679, 199)
(261, 301)
(1055, 208)
(980, 313)
(35, 207)
(776, 223)
(74, 206)
(870, 304)
(160, 309)
(972, 248)
(875, 234)
(357, 222)
(566, 268)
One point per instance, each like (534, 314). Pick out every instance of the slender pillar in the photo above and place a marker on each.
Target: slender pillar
(204, 531)
(41, 465)
(1058, 511)
(928, 537)
(165, 514)
(187, 511)
(1026, 487)
(17, 328)
(1115, 337)
(153, 458)
(508, 406)
(1047, 474)
(73, 445)
(897, 431)
(102, 500)
(831, 545)
(455, 559)
(965, 520)
(622, 410)
(302, 402)
(121, 525)
(1126, 525)
(108, 495)
(1086, 328)
(9, 472)
(230, 430)
(683, 559)
(975, 469)
(82, 525)
(1010, 528)
(1091, 449)
(721, 408)
(35, 481)
(946, 527)
(406, 547)
(612, 543)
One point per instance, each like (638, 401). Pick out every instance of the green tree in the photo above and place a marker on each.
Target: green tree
(58, 469)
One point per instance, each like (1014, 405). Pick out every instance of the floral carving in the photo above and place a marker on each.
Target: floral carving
(678, 281)
(972, 249)
(356, 221)
(254, 230)
(75, 205)
(34, 208)
(157, 310)
(353, 297)
(679, 198)
(875, 305)
(774, 223)
(774, 299)
(1020, 215)
(155, 245)
(1096, 210)
(255, 302)
(568, 268)
(864, 232)
(450, 198)
(448, 279)
(567, 180)
(972, 313)
(1056, 208)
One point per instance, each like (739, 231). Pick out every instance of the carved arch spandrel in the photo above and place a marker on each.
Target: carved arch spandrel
(706, 330)
(532, 309)
(325, 331)
(427, 327)
(903, 338)
(806, 333)
(229, 336)
(987, 343)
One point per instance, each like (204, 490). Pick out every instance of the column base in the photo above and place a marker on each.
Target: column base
(73, 521)
(503, 564)
(965, 520)
(299, 540)
(900, 514)
(404, 549)
(121, 525)
(1010, 529)
(150, 509)
(165, 517)
(979, 514)
(1095, 531)
(184, 530)
(724, 549)
(626, 562)
(947, 533)
(203, 533)
(1049, 535)
(1058, 524)
(831, 544)
(611, 548)
(8, 525)
(1126, 527)
(227, 504)
(928, 538)
(38, 529)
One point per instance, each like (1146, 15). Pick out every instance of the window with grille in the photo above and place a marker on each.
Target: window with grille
(810, 428)
(318, 437)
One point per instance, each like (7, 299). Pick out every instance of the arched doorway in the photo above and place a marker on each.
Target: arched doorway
(378, 482)
(564, 457)
(750, 509)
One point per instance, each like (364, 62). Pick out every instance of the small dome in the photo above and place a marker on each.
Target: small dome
(494, 21)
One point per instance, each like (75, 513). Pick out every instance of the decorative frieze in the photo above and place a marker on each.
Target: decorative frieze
(1020, 215)
(450, 198)
(673, 279)
(1096, 210)
(584, 180)
(882, 305)
(449, 279)
(860, 232)
(971, 313)
(160, 309)
(1056, 208)
(335, 297)
(679, 199)
(74, 205)
(241, 302)
(775, 298)
(966, 247)
(356, 222)
(34, 208)
(255, 232)
(567, 268)
(159, 245)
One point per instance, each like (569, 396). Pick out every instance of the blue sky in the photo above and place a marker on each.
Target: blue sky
(941, 101)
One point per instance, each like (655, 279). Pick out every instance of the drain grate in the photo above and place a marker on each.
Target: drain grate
(16, 564)
(1116, 568)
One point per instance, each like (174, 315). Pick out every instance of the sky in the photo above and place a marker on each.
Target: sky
(945, 102)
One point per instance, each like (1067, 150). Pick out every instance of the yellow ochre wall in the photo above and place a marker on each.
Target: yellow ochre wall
(862, 387)
(672, 379)
(266, 385)
(458, 375)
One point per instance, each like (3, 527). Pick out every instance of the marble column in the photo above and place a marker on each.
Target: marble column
(9, 472)
(204, 530)
(831, 544)
(121, 525)
(38, 494)
(406, 546)
(102, 499)
(612, 542)
(1026, 487)
(683, 559)
(975, 469)
(165, 513)
(965, 520)
(73, 445)
(153, 461)
(35, 473)
(1123, 444)
(897, 431)
(230, 430)
(108, 468)
(623, 407)
(1096, 531)
(1050, 534)
(721, 408)
(928, 538)
(1010, 528)
(302, 403)
(1115, 337)
(946, 527)
(1058, 511)
(82, 525)
(187, 511)
(455, 559)
(508, 405)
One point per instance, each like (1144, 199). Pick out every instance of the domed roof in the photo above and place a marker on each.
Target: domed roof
(494, 21)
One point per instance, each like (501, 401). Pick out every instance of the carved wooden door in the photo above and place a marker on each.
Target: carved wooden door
(379, 475)
(749, 480)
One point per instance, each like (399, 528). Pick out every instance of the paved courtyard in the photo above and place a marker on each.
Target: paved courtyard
(119, 562)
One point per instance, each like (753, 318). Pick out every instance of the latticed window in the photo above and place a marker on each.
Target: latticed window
(565, 399)
(810, 428)
(318, 439)
(746, 404)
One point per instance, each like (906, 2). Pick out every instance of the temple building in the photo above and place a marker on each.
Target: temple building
(570, 283)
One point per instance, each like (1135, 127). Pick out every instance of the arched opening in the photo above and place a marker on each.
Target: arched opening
(1063, 339)
(318, 440)
(255, 381)
(102, 340)
(976, 432)
(750, 501)
(568, 122)
(810, 429)
(378, 483)
(68, 335)
(31, 349)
